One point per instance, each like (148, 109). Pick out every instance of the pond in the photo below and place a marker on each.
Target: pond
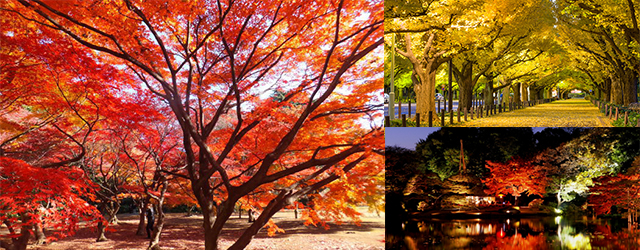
(512, 233)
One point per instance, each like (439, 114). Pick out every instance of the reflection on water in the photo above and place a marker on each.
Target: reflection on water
(512, 233)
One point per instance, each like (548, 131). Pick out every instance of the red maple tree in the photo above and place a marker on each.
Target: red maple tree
(267, 95)
(515, 177)
(622, 191)
(52, 198)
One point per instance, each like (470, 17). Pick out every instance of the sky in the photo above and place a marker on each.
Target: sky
(408, 137)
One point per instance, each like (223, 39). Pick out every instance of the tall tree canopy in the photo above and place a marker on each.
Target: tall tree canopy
(520, 50)
(440, 151)
(515, 177)
(215, 66)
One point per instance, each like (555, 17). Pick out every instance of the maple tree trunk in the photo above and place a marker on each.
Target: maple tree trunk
(9, 226)
(108, 210)
(114, 213)
(38, 230)
(214, 215)
(22, 241)
(101, 229)
(272, 208)
(525, 93)
(141, 221)
(154, 244)
(210, 237)
(213, 223)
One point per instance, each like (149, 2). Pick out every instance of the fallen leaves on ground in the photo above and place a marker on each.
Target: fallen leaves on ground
(182, 232)
(562, 113)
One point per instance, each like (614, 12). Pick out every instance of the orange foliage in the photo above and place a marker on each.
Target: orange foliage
(268, 98)
(515, 177)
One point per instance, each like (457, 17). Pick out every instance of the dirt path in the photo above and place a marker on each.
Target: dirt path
(562, 113)
(186, 233)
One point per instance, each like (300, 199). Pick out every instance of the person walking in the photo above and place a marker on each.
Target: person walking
(151, 217)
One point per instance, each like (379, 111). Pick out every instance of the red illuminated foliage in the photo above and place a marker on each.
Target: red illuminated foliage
(621, 190)
(607, 239)
(515, 177)
(518, 242)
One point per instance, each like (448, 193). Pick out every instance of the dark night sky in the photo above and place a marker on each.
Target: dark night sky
(408, 137)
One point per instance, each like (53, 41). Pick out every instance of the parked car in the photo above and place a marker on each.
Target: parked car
(386, 98)
(439, 97)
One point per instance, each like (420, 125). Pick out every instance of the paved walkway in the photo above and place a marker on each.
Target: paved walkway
(562, 113)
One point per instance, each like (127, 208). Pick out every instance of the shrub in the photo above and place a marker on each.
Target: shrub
(633, 120)
(398, 122)
(572, 210)
(537, 203)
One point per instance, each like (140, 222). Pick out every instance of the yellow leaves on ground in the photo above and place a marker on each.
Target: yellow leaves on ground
(562, 113)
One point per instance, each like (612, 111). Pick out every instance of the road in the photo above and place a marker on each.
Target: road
(405, 108)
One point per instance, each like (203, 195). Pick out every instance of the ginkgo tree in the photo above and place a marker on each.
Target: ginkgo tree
(423, 27)
(476, 35)
(512, 33)
(607, 32)
(212, 62)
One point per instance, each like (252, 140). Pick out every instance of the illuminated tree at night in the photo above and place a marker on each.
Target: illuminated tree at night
(515, 177)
